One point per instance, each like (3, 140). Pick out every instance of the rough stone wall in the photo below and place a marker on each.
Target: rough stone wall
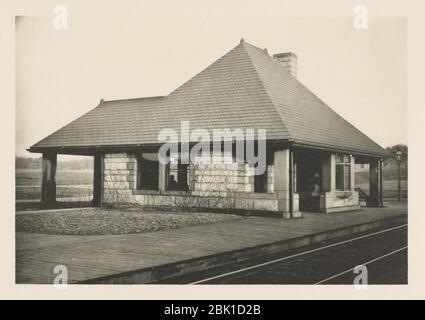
(351, 200)
(219, 185)
(335, 201)
(270, 178)
(225, 186)
(242, 201)
(119, 177)
(220, 179)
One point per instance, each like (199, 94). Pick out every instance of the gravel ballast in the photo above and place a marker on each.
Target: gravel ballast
(112, 221)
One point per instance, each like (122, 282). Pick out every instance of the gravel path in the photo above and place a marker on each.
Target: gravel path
(112, 221)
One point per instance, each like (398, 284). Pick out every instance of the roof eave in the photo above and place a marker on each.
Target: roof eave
(87, 150)
(303, 144)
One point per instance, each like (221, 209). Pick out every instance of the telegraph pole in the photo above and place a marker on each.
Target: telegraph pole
(398, 158)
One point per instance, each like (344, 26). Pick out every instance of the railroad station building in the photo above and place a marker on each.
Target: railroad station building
(311, 150)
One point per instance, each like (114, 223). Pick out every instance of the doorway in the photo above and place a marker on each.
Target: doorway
(309, 180)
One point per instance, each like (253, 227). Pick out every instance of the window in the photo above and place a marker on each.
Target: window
(260, 182)
(148, 171)
(343, 172)
(177, 175)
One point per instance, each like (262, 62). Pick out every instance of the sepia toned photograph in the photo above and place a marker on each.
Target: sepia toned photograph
(187, 146)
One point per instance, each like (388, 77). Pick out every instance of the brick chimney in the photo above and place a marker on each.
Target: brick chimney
(288, 61)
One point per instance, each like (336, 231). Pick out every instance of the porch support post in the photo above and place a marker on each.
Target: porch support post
(291, 183)
(328, 182)
(162, 182)
(328, 173)
(48, 180)
(374, 183)
(282, 178)
(353, 174)
(98, 179)
(381, 187)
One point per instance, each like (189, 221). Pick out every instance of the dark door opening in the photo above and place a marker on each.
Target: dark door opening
(309, 176)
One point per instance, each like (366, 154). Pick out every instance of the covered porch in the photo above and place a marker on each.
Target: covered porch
(48, 181)
(297, 180)
(325, 180)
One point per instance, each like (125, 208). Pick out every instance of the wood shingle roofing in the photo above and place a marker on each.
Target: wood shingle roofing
(243, 89)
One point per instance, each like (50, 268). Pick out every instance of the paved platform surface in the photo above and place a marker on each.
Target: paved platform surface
(88, 257)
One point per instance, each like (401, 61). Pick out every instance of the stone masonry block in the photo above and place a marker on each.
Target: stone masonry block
(246, 204)
(115, 155)
(266, 204)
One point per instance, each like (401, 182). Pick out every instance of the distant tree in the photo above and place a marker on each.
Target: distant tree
(390, 164)
(399, 147)
(27, 163)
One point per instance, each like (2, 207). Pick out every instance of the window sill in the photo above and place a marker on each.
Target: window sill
(343, 194)
(251, 195)
(254, 195)
(161, 193)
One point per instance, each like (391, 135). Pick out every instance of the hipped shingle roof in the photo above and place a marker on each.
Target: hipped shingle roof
(243, 89)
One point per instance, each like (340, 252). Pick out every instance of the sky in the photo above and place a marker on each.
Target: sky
(138, 51)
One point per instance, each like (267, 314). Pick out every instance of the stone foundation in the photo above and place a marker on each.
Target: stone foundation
(337, 201)
(239, 201)
(216, 186)
(223, 186)
(120, 171)
(220, 179)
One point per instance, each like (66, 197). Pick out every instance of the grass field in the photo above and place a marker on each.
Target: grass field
(390, 184)
(79, 183)
(70, 183)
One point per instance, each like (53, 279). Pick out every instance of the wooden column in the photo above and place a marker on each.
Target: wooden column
(328, 187)
(374, 183)
(98, 179)
(48, 180)
(328, 173)
(291, 183)
(381, 187)
(162, 181)
(353, 174)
